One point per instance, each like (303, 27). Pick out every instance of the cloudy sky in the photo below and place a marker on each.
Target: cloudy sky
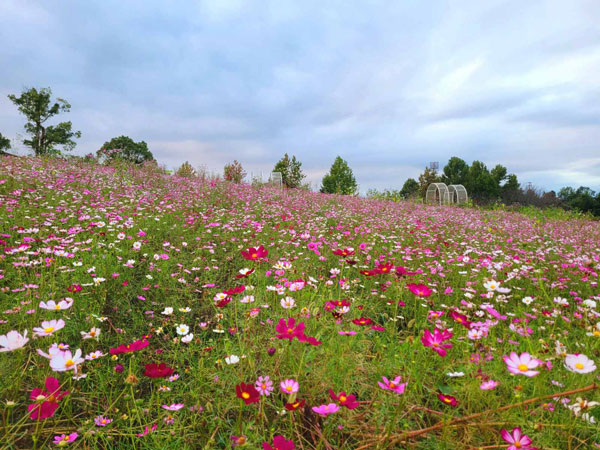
(387, 85)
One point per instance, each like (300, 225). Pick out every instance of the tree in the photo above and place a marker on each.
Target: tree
(410, 188)
(186, 170)
(36, 107)
(455, 172)
(234, 172)
(291, 171)
(4, 144)
(125, 148)
(425, 179)
(480, 184)
(340, 179)
(511, 190)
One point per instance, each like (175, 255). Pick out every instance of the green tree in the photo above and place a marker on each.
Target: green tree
(125, 148)
(480, 185)
(340, 179)
(511, 190)
(234, 172)
(455, 172)
(186, 171)
(425, 179)
(291, 171)
(37, 107)
(410, 188)
(4, 143)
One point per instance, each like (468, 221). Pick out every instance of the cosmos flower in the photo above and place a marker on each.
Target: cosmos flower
(289, 386)
(420, 290)
(154, 370)
(436, 340)
(173, 406)
(64, 360)
(254, 254)
(579, 363)
(65, 439)
(517, 440)
(448, 399)
(13, 340)
(48, 327)
(522, 364)
(94, 333)
(102, 421)
(279, 443)
(347, 400)
(393, 385)
(182, 329)
(247, 393)
(128, 348)
(289, 330)
(264, 385)
(54, 306)
(46, 402)
(488, 385)
(325, 410)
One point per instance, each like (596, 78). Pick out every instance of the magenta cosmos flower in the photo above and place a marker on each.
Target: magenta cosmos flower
(264, 385)
(102, 421)
(488, 385)
(522, 364)
(517, 440)
(420, 290)
(289, 330)
(393, 385)
(46, 401)
(279, 443)
(436, 340)
(65, 439)
(325, 410)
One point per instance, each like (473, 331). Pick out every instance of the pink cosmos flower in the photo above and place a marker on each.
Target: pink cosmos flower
(488, 385)
(264, 386)
(289, 330)
(522, 364)
(325, 410)
(48, 327)
(420, 290)
(65, 439)
(65, 360)
(46, 401)
(393, 385)
(54, 306)
(517, 440)
(102, 421)
(289, 386)
(147, 430)
(279, 443)
(173, 406)
(436, 340)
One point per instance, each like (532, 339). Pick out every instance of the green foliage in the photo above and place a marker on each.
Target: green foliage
(291, 171)
(234, 172)
(455, 172)
(340, 179)
(410, 188)
(126, 149)
(4, 143)
(37, 108)
(582, 199)
(186, 170)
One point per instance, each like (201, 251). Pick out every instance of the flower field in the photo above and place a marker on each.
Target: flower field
(142, 310)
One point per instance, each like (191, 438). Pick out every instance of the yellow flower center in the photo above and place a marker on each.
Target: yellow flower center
(392, 385)
(263, 386)
(69, 363)
(254, 255)
(288, 388)
(579, 366)
(523, 367)
(57, 307)
(92, 333)
(342, 398)
(596, 333)
(447, 400)
(48, 329)
(245, 395)
(518, 444)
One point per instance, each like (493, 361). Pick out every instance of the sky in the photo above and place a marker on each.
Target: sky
(387, 85)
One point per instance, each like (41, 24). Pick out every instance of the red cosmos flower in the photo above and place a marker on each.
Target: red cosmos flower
(294, 406)
(223, 303)
(311, 340)
(436, 340)
(370, 273)
(384, 268)
(289, 330)
(330, 305)
(448, 399)
(158, 370)
(460, 318)
(279, 443)
(46, 401)
(349, 401)
(253, 254)
(127, 348)
(247, 392)
(345, 252)
(235, 290)
(420, 290)
(363, 321)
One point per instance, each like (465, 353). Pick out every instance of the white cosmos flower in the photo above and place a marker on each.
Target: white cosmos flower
(187, 338)
(232, 359)
(491, 285)
(247, 299)
(527, 300)
(455, 374)
(48, 327)
(182, 329)
(168, 311)
(54, 306)
(13, 340)
(65, 360)
(288, 303)
(94, 333)
(579, 364)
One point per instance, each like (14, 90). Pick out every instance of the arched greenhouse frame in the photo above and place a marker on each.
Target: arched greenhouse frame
(458, 194)
(437, 194)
